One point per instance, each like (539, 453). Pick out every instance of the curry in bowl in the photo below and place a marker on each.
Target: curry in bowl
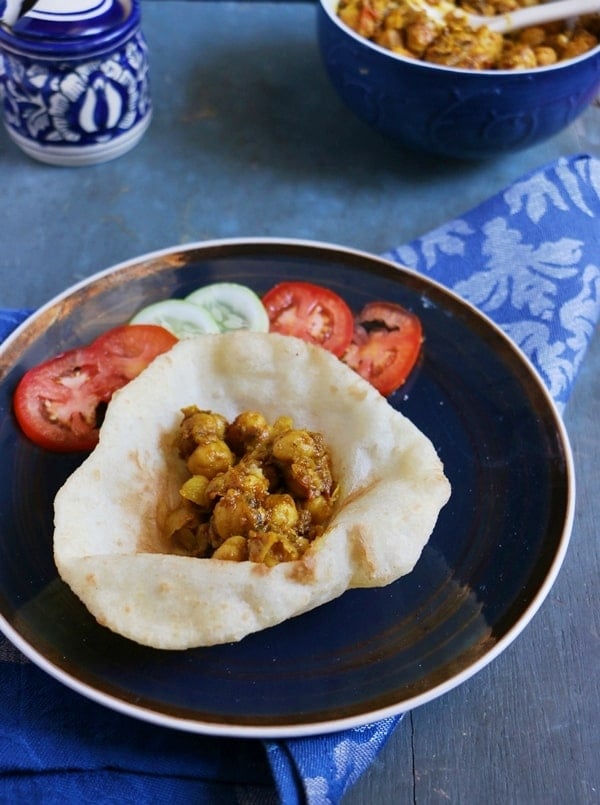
(406, 28)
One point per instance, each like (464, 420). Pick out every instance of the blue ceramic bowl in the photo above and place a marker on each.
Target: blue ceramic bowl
(453, 112)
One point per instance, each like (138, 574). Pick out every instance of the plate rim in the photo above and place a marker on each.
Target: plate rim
(221, 728)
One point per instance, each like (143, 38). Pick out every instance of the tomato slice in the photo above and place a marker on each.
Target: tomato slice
(125, 351)
(311, 312)
(385, 345)
(59, 404)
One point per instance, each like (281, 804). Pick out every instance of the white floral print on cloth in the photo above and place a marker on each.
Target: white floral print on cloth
(328, 765)
(530, 259)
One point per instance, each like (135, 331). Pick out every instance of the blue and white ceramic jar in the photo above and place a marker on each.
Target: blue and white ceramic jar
(74, 80)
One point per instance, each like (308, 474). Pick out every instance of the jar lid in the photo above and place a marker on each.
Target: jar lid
(54, 26)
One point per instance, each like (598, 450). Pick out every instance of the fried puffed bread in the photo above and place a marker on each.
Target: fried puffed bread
(109, 543)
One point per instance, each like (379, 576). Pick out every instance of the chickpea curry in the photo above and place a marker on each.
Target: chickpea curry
(256, 492)
(404, 28)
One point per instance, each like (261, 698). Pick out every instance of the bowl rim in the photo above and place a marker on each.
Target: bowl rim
(329, 6)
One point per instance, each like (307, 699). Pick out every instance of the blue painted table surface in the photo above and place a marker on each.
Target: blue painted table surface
(249, 139)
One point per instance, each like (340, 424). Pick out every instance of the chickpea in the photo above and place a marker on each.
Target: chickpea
(304, 463)
(235, 515)
(247, 431)
(234, 549)
(281, 512)
(350, 15)
(210, 458)
(519, 57)
(197, 427)
(389, 38)
(561, 40)
(545, 56)
(281, 425)
(244, 476)
(292, 445)
(419, 35)
(533, 36)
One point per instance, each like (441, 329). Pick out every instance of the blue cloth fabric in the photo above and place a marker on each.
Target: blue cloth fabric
(10, 319)
(530, 258)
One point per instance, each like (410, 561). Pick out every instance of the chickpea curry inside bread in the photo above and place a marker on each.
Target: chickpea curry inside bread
(256, 492)
(206, 513)
(405, 28)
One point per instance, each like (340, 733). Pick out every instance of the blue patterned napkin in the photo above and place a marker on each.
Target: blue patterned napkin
(530, 258)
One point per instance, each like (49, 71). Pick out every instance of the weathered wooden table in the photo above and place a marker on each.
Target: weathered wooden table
(249, 139)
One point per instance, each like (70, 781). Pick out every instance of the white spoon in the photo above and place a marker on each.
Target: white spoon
(522, 18)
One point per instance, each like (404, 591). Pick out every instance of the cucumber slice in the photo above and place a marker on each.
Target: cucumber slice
(181, 318)
(231, 306)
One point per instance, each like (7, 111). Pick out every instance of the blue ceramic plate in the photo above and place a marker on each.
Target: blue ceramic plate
(489, 564)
